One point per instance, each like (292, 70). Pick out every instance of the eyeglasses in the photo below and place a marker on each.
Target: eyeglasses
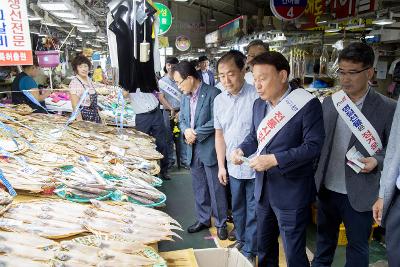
(351, 73)
(179, 83)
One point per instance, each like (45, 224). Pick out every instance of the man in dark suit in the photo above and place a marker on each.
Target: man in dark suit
(284, 185)
(196, 121)
(206, 75)
(347, 194)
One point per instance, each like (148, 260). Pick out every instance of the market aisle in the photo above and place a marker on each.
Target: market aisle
(180, 205)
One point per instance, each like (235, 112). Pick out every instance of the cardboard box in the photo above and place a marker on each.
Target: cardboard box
(220, 257)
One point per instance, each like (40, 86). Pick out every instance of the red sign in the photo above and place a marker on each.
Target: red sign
(288, 9)
(339, 9)
(15, 42)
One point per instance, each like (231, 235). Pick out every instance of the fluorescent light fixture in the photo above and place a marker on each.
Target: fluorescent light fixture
(42, 35)
(324, 19)
(370, 37)
(383, 22)
(332, 30)
(78, 49)
(67, 15)
(50, 24)
(34, 32)
(34, 18)
(82, 26)
(52, 6)
(75, 21)
(87, 30)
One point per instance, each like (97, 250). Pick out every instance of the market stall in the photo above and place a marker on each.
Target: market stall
(57, 170)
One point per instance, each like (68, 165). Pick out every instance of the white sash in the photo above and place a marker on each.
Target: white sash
(358, 124)
(280, 115)
(172, 91)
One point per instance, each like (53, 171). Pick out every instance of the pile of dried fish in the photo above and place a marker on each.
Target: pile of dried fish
(24, 249)
(57, 219)
(106, 253)
(40, 147)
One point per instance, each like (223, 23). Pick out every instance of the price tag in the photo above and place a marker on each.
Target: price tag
(92, 147)
(49, 157)
(29, 170)
(117, 150)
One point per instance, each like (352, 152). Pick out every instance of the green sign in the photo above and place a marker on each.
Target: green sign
(165, 16)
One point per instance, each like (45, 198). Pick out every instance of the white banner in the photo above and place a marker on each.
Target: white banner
(174, 92)
(280, 115)
(358, 124)
(15, 41)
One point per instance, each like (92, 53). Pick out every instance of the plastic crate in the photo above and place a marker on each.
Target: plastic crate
(48, 59)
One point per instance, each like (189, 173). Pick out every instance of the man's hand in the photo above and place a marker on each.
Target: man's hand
(236, 156)
(377, 209)
(222, 176)
(172, 115)
(263, 162)
(190, 136)
(370, 164)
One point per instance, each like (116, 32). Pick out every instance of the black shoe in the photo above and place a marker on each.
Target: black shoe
(197, 227)
(165, 176)
(238, 245)
(232, 235)
(222, 233)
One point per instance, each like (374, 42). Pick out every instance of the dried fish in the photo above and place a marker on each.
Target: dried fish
(26, 251)
(13, 261)
(25, 239)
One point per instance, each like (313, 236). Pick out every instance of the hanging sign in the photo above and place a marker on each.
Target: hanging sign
(182, 43)
(165, 17)
(288, 9)
(15, 42)
(213, 37)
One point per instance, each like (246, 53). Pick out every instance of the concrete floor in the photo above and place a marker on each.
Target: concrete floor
(180, 205)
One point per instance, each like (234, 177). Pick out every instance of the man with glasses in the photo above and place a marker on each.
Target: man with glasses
(357, 124)
(196, 121)
(170, 97)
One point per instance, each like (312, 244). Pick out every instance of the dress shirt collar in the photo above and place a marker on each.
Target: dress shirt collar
(283, 97)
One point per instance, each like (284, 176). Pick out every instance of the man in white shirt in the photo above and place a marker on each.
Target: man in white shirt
(149, 120)
(233, 110)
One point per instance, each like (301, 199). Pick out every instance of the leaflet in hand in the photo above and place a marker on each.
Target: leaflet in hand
(353, 160)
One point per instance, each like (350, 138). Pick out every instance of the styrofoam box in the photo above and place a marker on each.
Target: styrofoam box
(220, 257)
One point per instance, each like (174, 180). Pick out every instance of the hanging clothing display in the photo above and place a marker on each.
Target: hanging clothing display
(129, 33)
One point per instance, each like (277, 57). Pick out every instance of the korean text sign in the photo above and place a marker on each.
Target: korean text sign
(15, 42)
